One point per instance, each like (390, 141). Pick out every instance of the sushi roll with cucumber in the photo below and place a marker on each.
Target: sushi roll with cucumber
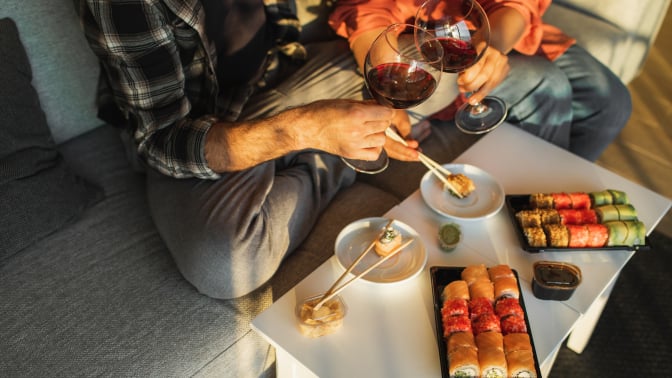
(621, 212)
(626, 233)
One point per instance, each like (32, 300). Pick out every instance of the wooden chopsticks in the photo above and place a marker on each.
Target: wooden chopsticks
(335, 289)
(437, 169)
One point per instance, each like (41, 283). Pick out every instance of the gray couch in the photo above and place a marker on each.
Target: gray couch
(98, 293)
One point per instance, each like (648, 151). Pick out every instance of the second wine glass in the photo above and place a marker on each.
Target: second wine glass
(400, 73)
(462, 28)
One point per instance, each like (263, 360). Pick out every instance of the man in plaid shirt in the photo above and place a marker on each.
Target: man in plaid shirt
(229, 115)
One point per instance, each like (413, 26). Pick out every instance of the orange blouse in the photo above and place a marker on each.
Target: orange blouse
(350, 18)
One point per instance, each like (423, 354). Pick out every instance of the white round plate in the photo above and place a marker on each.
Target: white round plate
(486, 200)
(357, 236)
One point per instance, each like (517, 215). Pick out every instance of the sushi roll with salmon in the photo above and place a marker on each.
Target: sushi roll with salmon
(463, 362)
(506, 287)
(598, 235)
(473, 273)
(500, 271)
(491, 355)
(455, 290)
(482, 288)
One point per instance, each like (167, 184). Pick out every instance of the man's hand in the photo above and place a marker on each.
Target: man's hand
(396, 150)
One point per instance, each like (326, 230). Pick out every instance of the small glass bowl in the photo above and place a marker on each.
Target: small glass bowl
(326, 320)
(450, 236)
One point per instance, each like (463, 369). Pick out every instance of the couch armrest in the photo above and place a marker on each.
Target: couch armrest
(619, 33)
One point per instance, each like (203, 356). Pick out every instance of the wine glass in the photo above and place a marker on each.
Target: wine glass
(463, 30)
(399, 73)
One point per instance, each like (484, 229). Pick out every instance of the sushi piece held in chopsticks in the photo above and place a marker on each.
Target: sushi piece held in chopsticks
(460, 183)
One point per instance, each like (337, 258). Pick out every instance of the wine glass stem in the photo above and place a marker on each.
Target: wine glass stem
(478, 108)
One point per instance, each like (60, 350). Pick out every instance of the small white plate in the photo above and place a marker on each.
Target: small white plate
(356, 236)
(485, 201)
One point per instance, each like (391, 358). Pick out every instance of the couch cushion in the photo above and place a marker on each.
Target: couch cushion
(621, 43)
(38, 192)
(64, 68)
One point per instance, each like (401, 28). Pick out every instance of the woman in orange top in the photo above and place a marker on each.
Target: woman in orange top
(553, 88)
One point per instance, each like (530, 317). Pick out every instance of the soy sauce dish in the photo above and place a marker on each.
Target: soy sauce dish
(555, 280)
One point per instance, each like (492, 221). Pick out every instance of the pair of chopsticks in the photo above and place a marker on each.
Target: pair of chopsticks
(437, 169)
(335, 289)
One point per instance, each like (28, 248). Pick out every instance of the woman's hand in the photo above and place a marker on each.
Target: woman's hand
(484, 76)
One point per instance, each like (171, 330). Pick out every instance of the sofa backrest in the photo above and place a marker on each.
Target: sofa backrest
(619, 33)
(65, 71)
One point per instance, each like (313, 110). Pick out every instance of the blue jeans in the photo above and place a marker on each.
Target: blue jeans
(574, 102)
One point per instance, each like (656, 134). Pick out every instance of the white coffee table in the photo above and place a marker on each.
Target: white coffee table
(389, 330)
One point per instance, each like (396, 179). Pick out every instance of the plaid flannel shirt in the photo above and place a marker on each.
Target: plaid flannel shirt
(160, 71)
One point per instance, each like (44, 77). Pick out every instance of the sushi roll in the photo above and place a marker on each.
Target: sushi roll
(516, 341)
(461, 340)
(619, 197)
(578, 236)
(535, 236)
(490, 340)
(541, 201)
(626, 233)
(388, 241)
(621, 212)
(513, 324)
(601, 198)
(506, 287)
(454, 307)
(492, 362)
(598, 234)
(529, 218)
(480, 306)
(520, 364)
(509, 306)
(577, 216)
(549, 216)
(618, 233)
(488, 322)
(499, 271)
(463, 362)
(458, 323)
(557, 235)
(473, 273)
(561, 201)
(482, 288)
(580, 200)
(455, 290)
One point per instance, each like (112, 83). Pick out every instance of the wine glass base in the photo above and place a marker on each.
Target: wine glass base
(482, 118)
(370, 167)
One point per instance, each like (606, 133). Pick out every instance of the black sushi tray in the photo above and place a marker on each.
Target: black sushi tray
(518, 202)
(442, 276)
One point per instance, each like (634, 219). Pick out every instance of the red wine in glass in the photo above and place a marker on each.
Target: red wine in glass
(400, 85)
(400, 72)
(462, 28)
(458, 55)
